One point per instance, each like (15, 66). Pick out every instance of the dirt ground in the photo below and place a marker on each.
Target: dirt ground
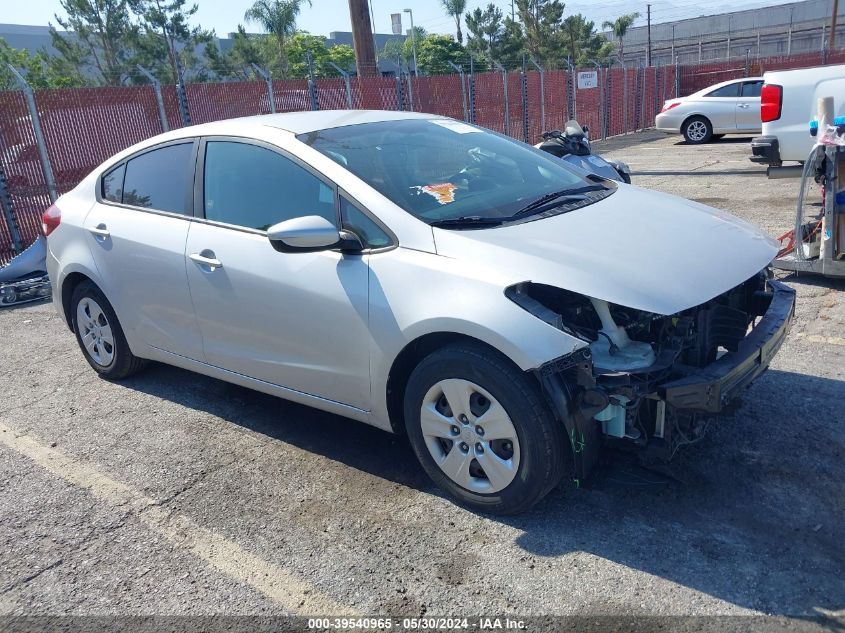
(171, 493)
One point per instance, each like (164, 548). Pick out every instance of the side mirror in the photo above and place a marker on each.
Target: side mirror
(310, 234)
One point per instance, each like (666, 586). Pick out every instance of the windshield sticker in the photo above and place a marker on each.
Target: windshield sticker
(455, 126)
(443, 192)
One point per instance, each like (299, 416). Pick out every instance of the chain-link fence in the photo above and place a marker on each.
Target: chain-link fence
(82, 127)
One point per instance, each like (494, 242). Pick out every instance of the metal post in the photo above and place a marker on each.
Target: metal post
(471, 89)
(624, 93)
(747, 61)
(346, 82)
(9, 213)
(312, 84)
(601, 94)
(460, 72)
(162, 115)
(400, 100)
(181, 94)
(271, 98)
(410, 91)
(572, 106)
(502, 70)
(699, 50)
(677, 79)
(542, 94)
(413, 41)
(52, 190)
(523, 98)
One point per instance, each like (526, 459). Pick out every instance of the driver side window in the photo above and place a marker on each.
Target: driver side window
(254, 187)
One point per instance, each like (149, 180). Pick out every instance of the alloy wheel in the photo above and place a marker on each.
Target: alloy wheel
(697, 131)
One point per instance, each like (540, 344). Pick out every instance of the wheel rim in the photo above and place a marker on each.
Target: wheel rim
(95, 332)
(697, 130)
(470, 436)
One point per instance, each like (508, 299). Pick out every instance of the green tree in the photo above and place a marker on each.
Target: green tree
(298, 46)
(99, 41)
(40, 70)
(277, 17)
(237, 62)
(164, 39)
(620, 27)
(398, 50)
(484, 29)
(435, 52)
(583, 43)
(542, 23)
(455, 8)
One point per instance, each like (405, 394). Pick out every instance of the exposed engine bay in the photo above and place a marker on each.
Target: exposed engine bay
(618, 384)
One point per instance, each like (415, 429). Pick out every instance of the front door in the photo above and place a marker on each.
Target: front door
(136, 233)
(298, 320)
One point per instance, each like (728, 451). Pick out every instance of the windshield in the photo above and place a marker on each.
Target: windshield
(441, 169)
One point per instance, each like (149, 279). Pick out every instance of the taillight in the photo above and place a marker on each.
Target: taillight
(51, 219)
(669, 106)
(771, 102)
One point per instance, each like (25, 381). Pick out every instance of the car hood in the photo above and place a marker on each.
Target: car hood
(636, 248)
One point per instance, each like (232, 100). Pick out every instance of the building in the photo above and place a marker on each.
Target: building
(785, 29)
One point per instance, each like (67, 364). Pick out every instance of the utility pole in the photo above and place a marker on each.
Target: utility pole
(673, 43)
(413, 41)
(513, 12)
(362, 38)
(648, 50)
(832, 42)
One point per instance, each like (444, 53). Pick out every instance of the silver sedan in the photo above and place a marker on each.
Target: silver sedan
(508, 314)
(731, 107)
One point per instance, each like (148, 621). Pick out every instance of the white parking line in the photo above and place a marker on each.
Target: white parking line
(292, 594)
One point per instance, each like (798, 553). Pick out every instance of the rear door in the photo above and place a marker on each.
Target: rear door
(748, 107)
(719, 106)
(136, 232)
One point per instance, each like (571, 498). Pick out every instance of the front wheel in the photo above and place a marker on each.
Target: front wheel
(482, 431)
(698, 130)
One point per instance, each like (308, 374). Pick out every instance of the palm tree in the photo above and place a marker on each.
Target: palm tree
(619, 27)
(455, 8)
(277, 17)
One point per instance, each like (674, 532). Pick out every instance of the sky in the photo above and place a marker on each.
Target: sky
(333, 15)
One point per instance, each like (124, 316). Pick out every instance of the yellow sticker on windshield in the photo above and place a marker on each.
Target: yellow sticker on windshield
(443, 192)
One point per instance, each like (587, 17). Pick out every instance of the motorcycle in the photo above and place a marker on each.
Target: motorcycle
(573, 146)
(24, 278)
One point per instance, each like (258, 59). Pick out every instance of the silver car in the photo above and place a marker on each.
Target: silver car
(731, 107)
(508, 314)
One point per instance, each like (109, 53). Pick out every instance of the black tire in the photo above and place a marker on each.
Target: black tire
(694, 133)
(545, 454)
(123, 362)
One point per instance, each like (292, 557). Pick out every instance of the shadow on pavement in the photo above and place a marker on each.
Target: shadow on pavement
(757, 523)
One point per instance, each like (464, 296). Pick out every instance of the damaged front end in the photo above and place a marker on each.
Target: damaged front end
(653, 382)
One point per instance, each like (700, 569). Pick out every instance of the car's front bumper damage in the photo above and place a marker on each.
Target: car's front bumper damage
(671, 403)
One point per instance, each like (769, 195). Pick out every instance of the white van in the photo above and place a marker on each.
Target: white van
(788, 102)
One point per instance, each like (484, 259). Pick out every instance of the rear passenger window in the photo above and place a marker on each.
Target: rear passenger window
(113, 184)
(159, 179)
(731, 90)
(254, 187)
(752, 88)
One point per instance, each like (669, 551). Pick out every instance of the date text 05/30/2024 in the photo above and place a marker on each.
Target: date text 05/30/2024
(411, 624)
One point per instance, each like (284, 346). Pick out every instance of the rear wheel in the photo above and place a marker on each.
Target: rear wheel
(697, 130)
(99, 334)
(482, 431)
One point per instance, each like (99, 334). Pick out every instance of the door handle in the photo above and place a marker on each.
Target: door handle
(99, 231)
(743, 105)
(203, 260)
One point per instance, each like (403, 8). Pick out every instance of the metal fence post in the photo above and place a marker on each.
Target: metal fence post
(502, 70)
(542, 94)
(677, 79)
(346, 83)
(162, 115)
(181, 94)
(572, 96)
(602, 102)
(52, 190)
(471, 89)
(460, 72)
(410, 90)
(9, 213)
(312, 84)
(400, 100)
(271, 97)
(523, 97)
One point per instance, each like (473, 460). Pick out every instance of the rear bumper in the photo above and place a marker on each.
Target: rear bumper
(710, 389)
(766, 150)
